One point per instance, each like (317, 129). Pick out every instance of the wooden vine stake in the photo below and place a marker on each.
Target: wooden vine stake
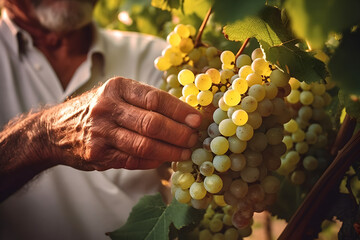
(298, 226)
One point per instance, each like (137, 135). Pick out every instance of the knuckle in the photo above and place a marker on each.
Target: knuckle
(143, 147)
(151, 124)
(152, 99)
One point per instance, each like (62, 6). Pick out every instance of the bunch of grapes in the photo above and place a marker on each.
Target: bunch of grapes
(242, 143)
(309, 133)
(217, 224)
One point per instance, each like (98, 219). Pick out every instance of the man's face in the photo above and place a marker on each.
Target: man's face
(63, 15)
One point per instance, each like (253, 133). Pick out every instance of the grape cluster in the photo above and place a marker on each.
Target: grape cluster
(309, 133)
(241, 144)
(217, 224)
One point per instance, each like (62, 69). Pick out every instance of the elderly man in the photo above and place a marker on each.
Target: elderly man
(50, 50)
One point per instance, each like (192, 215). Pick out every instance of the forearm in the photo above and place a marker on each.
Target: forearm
(22, 153)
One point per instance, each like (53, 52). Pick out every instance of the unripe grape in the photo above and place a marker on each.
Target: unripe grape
(213, 183)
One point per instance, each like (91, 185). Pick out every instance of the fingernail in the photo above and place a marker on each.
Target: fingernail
(185, 155)
(193, 139)
(193, 120)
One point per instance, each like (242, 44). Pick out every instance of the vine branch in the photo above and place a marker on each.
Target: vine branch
(345, 132)
(242, 48)
(202, 27)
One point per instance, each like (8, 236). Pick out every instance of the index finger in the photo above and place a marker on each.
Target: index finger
(153, 99)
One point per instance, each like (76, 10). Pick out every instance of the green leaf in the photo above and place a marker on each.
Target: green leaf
(278, 44)
(167, 4)
(345, 63)
(352, 107)
(151, 219)
(315, 19)
(226, 11)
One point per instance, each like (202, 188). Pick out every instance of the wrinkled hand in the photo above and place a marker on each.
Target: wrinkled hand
(122, 124)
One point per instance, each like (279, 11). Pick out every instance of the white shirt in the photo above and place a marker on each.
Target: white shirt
(64, 203)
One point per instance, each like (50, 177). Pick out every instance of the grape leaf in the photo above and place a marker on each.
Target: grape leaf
(352, 107)
(278, 44)
(150, 218)
(226, 11)
(344, 64)
(314, 20)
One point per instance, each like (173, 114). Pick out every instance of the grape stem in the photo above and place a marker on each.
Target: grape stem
(300, 225)
(202, 27)
(242, 48)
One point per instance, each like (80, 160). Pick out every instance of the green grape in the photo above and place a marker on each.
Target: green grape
(226, 75)
(213, 184)
(293, 97)
(185, 180)
(292, 157)
(232, 97)
(302, 147)
(258, 142)
(298, 177)
(162, 63)
(242, 60)
(175, 177)
(173, 55)
(227, 128)
(211, 52)
(239, 188)
(245, 132)
(253, 78)
(192, 100)
(194, 55)
(216, 99)
(244, 71)
(172, 81)
(239, 117)
(182, 195)
(249, 104)
(310, 137)
(190, 89)
(238, 161)
(186, 77)
(221, 163)
(186, 45)
(318, 88)
(279, 78)
(236, 145)
(305, 113)
(205, 98)
(214, 75)
(291, 126)
(315, 128)
(219, 145)
(182, 30)
(274, 135)
(227, 220)
(304, 86)
(294, 83)
(271, 90)
(173, 39)
(306, 97)
(298, 136)
(260, 66)
(213, 130)
(203, 81)
(206, 168)
(257, 91)
(250, 174)
(205, 234)
(192, 29)
(200, 155)
(222, 105)
(177, 92)
(270, 184)
(240, 85)
(215, 225)
(257, 53)
(227, 57)
(265, 108)
(219, 115)
(197, 190)
(232, 109)
(288, 142)
(318, 102)
(310, 163)
(185, 166)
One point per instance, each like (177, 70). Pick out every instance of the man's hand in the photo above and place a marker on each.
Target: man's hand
(122, 124)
